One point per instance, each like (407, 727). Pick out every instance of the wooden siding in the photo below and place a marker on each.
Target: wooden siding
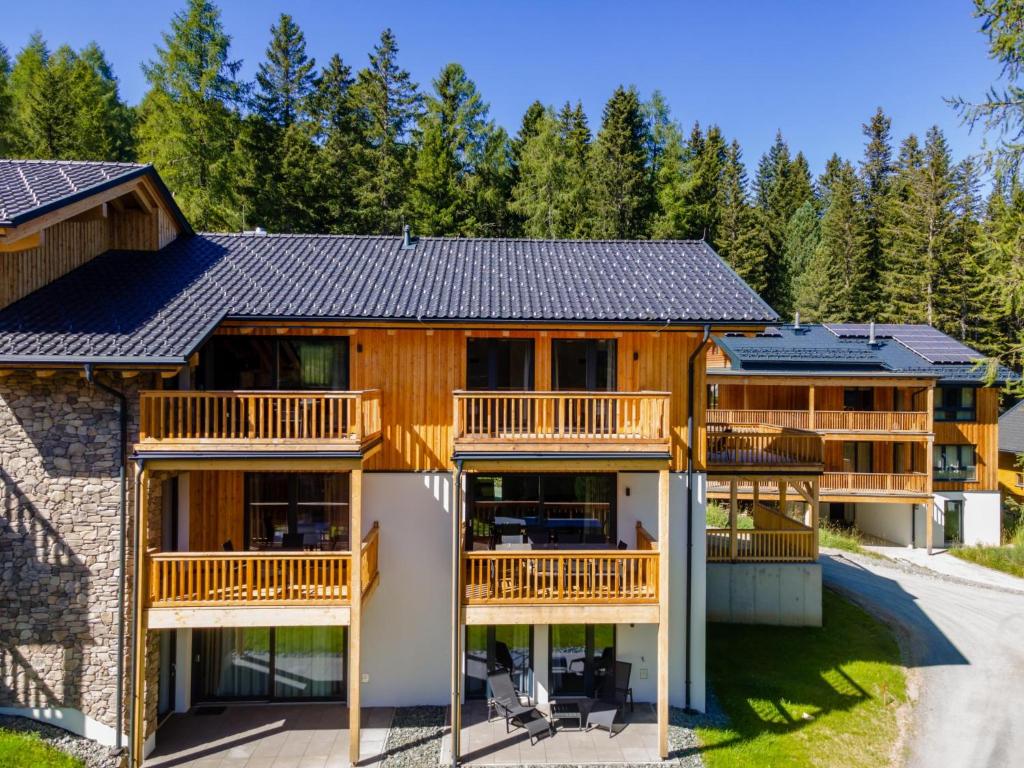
(216, 509)
(983, 434)
(418, 371)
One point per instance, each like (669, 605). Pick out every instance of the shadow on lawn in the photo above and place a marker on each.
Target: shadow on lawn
(778, 680)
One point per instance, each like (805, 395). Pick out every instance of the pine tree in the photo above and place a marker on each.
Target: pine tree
(528, 128)
(28, 67)
(541, 192)
(104, 124)
(189, 117)
(735, 240)
(48, 120)
(876, 172)
(809, 281)
(285, 80)
(1001, 251)
(622, 195)
(454, 131)
(579, 151)
(339, 135)
(781, 186)
(387, 103)
(7, 137)
(842, 251)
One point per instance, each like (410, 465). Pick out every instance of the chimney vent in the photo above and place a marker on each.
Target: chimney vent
(408, 241)
(871, 334)
(796, 321)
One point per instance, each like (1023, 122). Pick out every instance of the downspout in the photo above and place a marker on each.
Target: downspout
(133, 656)
(689, 510)
(456, 716)
(122, 457)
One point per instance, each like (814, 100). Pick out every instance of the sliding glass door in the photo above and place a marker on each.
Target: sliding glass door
(297, 510)
(493, 648)
(268, 663)
(581, 656)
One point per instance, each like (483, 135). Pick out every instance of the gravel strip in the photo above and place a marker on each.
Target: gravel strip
(92, 753)
(416, 735)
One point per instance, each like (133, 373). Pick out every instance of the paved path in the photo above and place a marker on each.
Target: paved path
(945, 564)
(965, 643)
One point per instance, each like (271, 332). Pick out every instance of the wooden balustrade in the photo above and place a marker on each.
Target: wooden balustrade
(880, 482)
(762, 546)
(825, 421)
(560, 577)
(226, 579)
(600, 417)
(369, 557)
(273, 416)
(645, 542)
(762, 446)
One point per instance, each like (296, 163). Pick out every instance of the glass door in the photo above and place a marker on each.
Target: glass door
(585, 365)
(953, 522)
(493, 648)
(581, 656)
(297, 511)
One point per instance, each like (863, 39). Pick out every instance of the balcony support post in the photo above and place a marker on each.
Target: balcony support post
(733, 522)
(815, 513)
(355, 535)
(663, 620)
(137, 721)
(810, 407)
(457, 598)
(783, 490)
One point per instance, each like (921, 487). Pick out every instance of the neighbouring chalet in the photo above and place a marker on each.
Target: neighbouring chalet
(375, 470)
(909, 428)
(1011, 449)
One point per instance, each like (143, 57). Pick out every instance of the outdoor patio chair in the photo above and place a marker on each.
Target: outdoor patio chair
(509, 703)
(614, 694)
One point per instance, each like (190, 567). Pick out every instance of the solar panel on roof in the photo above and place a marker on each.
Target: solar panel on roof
(923, 340)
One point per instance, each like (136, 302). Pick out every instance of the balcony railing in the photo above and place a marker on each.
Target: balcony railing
(761, 446)
(369, 559)
(604, 419)
(254, 417)
(875, 482)
(564, 577)
(826, 421)
(233, 579)
(761, 546)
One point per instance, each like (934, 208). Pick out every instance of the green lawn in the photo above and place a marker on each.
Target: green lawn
(805, 697)
(1008, 559)
(27, 750)
(835, 537)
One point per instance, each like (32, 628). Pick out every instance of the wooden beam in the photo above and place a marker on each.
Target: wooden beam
(24, 244)
(567, 613)
(138, 701)
(664, 625)
(46, 374)
(733, 519)
(355, 616)
(93, 214)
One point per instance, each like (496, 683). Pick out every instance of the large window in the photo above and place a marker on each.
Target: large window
(492, 648)
(267, 663)
(858, 399)
(581, 656)
(297, 510)
(269, 362)
(858, 457)
(499, 364)
(583, 364)
(955, 404)
(954, 463)
(542, 510)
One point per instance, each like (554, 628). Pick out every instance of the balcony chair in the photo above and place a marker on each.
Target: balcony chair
(507, 702)
(614, 694)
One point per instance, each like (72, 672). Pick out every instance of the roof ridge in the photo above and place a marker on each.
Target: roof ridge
(454, 239)
(50, 161)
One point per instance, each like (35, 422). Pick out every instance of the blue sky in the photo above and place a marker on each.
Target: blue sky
(815, 70)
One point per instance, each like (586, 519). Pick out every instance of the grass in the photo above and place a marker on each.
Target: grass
(718, 517)
(1008, 558)
(800, 697)
(27, 750)
(849, 539)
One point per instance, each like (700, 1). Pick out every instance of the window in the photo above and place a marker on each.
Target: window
(497, 364)
(713, 396)
(267, 362)
(900, 458)
(955, 404)
(493, 648)
(581, 656)
(583, 365)
(858, 399)
(858, 457)
(954, 463)
(565, 509)
(953, 522)
(297, 510)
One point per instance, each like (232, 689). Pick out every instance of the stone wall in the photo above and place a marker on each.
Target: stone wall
(59, 541)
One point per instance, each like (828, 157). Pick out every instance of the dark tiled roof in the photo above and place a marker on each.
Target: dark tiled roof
(820, 349)
(158, 307)
(29, 188)
(1011, 429)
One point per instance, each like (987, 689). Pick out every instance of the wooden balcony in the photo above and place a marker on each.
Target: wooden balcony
(763, 448)
(259, 421)
(761, 546)
(913, 484)
(597, 422)
(225, 581)
(840, 422)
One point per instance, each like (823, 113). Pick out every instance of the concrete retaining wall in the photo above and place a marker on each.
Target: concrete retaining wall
(786, 594)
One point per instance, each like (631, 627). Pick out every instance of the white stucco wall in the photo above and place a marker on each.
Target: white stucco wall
(407, 622)
(891, 522)
(982, 516)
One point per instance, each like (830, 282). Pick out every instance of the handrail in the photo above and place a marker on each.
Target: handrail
(369, 554)
(243, 415)
(761, 546)
(824, 421)
(645, 542)
(181, 579)
(542, 416)
(875, 481)
(762, 445)
(560, 577)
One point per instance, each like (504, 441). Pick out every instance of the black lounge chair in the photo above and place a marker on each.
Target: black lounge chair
(614, 694)
(507, 702)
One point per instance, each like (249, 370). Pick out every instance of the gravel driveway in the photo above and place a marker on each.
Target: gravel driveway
(965, 647)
